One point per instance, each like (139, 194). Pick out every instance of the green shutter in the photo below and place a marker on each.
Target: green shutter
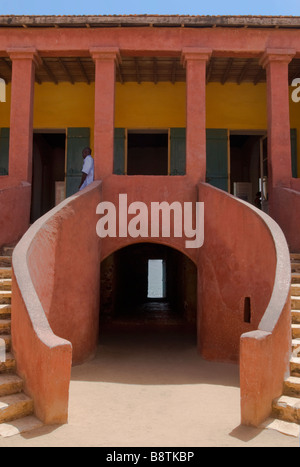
(217, 158)
(77, 140)
(294, 153)
(177, 151)
(4, 150)
(119, 151)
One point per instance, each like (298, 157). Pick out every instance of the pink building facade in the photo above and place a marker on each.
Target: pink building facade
(245, 257)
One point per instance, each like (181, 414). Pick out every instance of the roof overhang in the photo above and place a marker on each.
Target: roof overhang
(80, 67)
(109, 21)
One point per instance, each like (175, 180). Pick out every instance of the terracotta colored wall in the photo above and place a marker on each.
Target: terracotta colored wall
(55, 306)
(245, 255)
(67, 247)
(14, 210)
(237, 261)
(286, 213)
(148, 189)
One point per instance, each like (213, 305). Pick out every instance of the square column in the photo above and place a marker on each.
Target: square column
(105, 81)
(24, 62)
(195, 60)
(276, 62)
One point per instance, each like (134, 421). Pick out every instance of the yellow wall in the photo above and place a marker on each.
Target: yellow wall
(236, 107)
(150, 105)
(147, 105)
(5, 109)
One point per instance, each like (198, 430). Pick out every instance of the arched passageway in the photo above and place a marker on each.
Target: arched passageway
(148, 284)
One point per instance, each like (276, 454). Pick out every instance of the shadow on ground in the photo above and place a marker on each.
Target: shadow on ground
(153, 356)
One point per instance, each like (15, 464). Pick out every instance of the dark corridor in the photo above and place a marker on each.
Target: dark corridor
(125, 279)
(48, 170)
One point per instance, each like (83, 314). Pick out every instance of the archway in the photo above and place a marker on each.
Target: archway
(148, 285)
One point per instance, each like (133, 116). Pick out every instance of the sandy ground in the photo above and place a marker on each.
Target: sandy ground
(147, 389)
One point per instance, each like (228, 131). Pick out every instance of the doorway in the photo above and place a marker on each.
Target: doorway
(249, 167)
(157, 279)
(147, 152)
(48, 172)
(148, 284)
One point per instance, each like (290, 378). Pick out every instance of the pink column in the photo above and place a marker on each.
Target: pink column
(105, 79)
(195, 60)
(276, 62)
(21, 118)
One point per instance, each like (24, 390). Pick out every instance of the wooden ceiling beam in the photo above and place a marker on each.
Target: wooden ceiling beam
(210, 69)
(137, 70)
(49, 72)
(83, 71)
(259, 76)
(155, 74)
(227, 71)
(65, 68)
(244, 71)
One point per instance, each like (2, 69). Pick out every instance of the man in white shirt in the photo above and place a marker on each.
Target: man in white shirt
(87, 169)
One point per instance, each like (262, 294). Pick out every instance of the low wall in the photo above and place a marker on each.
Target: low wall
(15, 198)
(55, 307)
(245, 256)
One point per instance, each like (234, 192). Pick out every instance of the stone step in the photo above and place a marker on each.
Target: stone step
(295, 331)
(286, 428)
(295, 345)
(295, 278)
(296, 316)
(5, 297)
(15, 406)
(287, 408)
(5, 261)
(295, 266)
(5, 272)
(295, 366)
(295, 289)
(5, 326)
(295, 302)
(291, 387)
(9, 365)
(295, 256)
(5, 284)
(5, 311)
(10, 384)
(7, 339)
(17, 427)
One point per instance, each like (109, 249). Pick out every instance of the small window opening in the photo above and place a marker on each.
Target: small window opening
(247, 310)
(156, 278)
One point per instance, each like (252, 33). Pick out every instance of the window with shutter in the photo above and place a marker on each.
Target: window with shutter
(77, 140)
(4, 151)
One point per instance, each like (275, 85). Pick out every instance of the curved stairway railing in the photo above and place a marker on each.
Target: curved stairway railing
(245, 254)
(43, 358)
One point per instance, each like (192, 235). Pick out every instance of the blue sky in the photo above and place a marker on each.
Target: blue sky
(182, 7)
